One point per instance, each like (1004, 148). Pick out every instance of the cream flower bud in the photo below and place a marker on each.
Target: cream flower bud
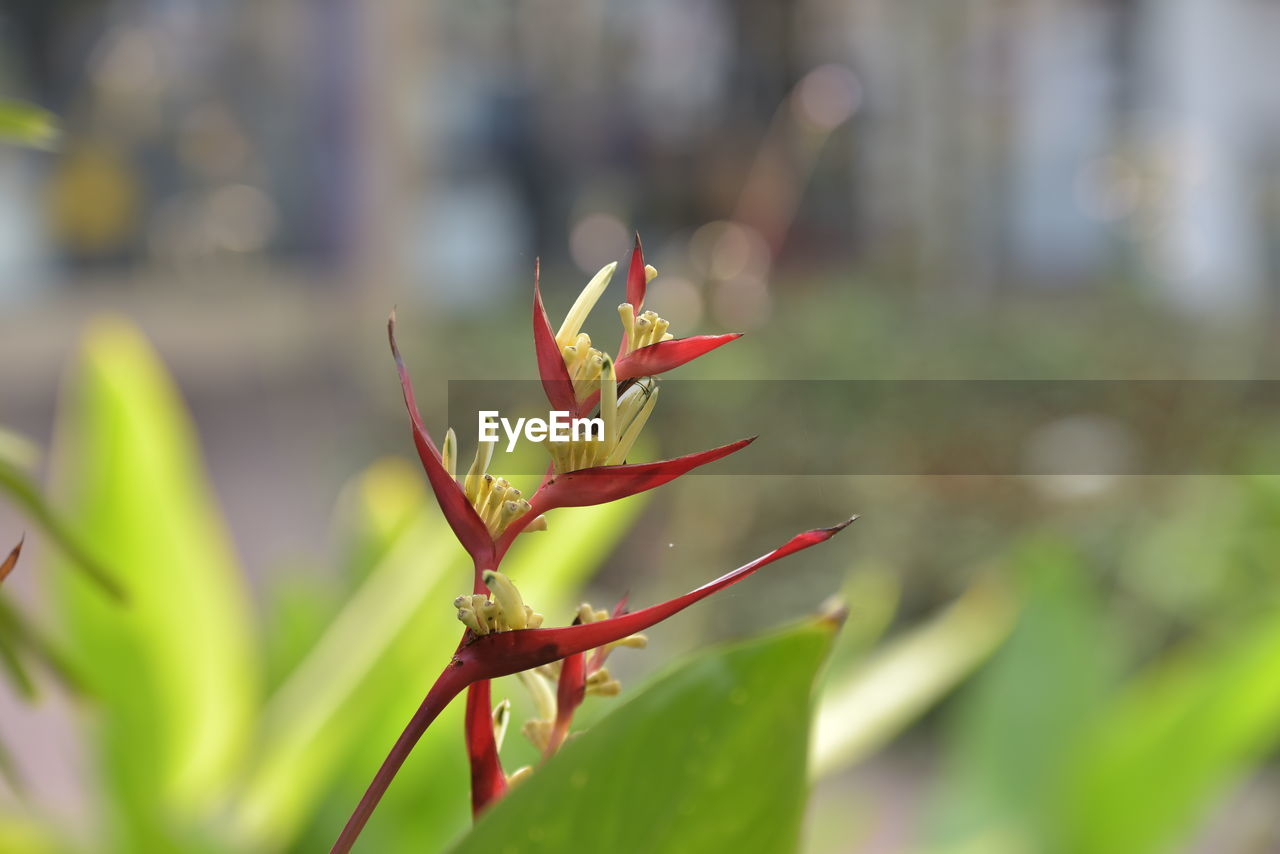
(507, 598)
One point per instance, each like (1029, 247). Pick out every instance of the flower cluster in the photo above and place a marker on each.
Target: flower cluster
(503, 635)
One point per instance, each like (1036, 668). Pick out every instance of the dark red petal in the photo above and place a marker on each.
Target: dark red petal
(636, 279)
(488, 781)
(504, 653)
(665, 355)
(602, 484)
(636, 283)
(551, 367)
(467, 525)
(570, 691)
(11, 561)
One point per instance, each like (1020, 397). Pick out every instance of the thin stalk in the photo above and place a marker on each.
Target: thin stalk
(448, 686)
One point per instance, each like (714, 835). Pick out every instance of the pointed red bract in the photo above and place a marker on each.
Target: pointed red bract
(637, 281)
(602, 484)
(570, 691)
(665, 355)
(636, 278)
(467, 525)
(551, 366)
(504, 653)
(488, 782)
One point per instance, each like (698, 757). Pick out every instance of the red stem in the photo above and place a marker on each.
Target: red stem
(488, 781)
(448, 686)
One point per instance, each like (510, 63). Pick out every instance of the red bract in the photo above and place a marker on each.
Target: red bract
(467, 525)
(488, 782)
(504, 653)
(551, 367)
(637, 280)
(603, 484)
(665, 355)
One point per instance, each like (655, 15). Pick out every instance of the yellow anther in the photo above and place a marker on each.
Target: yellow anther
(540, 691)
(501, 718)
(538, 524)
(471, 620)
(630, 641)
(480, 465)
(650, 272)
(449, 452)
(627, 314)
(524, 772)
(608, 411)
(584, 303)
(586, 614)
(507, 598)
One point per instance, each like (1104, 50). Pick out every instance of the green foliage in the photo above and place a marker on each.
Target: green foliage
(1150, 768)
(174, 672)
(709, 757)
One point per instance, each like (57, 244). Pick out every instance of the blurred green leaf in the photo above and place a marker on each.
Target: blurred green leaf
(13, 667)
(900, 681)
(20, 834)
(27, 637)
(174, 671)
(1153, 765)
(709, 757)
(26, 124)
(24, 493)
(1021, 720)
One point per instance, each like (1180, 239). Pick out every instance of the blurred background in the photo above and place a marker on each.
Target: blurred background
(1026, 189)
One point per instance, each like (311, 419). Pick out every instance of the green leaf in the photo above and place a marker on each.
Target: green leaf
(709, 757)
(1153, 765)
(1021, 720)
(900, 681)
(174, 671)
(26, 124)
(22, 834)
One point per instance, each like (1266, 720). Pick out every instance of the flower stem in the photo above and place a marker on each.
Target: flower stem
(448, 686)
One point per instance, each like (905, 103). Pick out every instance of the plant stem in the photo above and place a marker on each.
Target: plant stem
(448, 686)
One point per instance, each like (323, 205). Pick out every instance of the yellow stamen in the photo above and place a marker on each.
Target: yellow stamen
(479, 466)
(544, 699)
(608, 411)
(507, 598)
(584, 303)
(449, 452)
(632, 431)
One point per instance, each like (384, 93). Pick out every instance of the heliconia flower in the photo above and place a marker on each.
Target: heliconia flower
(571, 368)
(479, 659)
(11, 561)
